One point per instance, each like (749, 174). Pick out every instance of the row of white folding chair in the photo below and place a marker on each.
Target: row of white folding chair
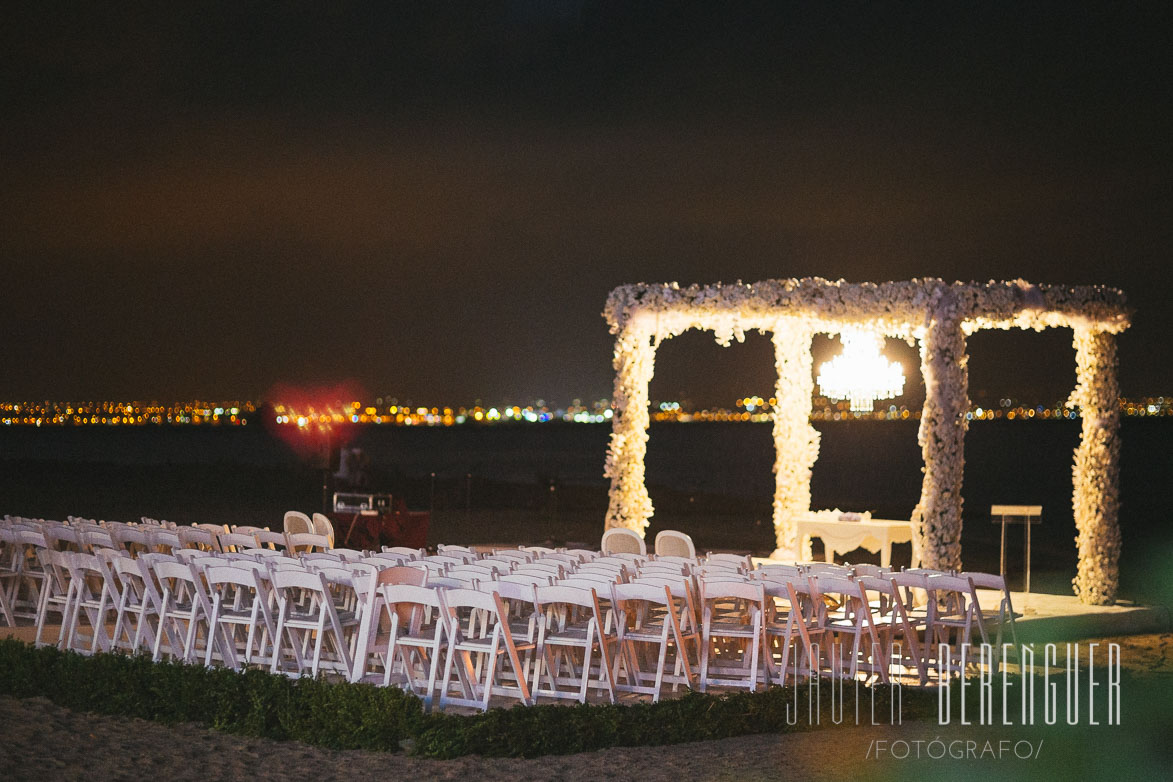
(80, 588)
(158, 593)
(476, 628)
(286, 601)
(875, 625)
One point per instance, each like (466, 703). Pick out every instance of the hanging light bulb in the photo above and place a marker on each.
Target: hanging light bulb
(861, 373)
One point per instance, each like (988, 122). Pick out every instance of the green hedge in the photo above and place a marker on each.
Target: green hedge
(363, 716)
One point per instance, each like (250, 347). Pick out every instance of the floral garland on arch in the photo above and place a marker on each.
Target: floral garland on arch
(939, 315)
(1096, 472)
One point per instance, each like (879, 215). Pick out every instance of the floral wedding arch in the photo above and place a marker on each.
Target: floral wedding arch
(937, 315)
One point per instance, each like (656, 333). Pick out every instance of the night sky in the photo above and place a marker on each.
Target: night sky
(432, 200)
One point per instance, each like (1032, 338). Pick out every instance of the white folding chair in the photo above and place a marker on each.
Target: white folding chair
(733, 610)
(371, 646)
(898, 629)
(95, 593)
(648, 614)
(1005, 618)
(800, 623)
(138, 606)
(9, 573)
(855, 620)
(413, 645)
(26, 595)
(479, 647)
(184, 612)
(954, 614)
(298, 623)
(240, 601)
(55, 594)
(570, 629)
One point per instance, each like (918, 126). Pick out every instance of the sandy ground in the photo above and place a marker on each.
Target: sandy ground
(41, 741)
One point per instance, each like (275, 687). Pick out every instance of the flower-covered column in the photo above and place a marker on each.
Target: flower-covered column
(936, 520)
(634, 362)
(796, 442)
(1096, 494)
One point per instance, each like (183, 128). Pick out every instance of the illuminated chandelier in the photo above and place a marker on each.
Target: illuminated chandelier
(861, 373)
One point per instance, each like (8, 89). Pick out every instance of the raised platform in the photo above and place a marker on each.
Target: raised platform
(1044, 617)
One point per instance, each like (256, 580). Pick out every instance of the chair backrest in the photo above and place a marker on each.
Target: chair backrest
(620, 540)
(236, 541)
(174, 571)
(266, 537)
(401, 574)
(594, 578)
(554, 569)
(515, 555)
(230, 574)
(402, 600)
(451, 550)
(868, 569)
(447, 561)
(525, 578)
(297, 523)
(738, 560)
(661, 568)
(215, 529)
(297, 542)
(323, 526)
(162, 538)
(57, 567)
(615, 568)
(997, 584)
(263, 553)
(488, 602)
(297, 579)
(673, 543)
(386, 560)
(495, 565)
(132, 538)
(63, 538)
(583, 554)
(659, 594)
(568, 594)
(97, 538)
(956, 592)
(188, 555)
(746, 591)
(198, 537)
(413, 553)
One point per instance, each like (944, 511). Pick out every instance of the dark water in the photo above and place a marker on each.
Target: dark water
(506, 482)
